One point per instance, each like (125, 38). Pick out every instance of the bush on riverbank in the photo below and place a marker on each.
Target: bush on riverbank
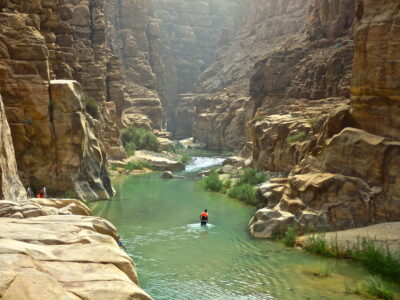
(137, 165)
(374, 287)
(243, 192)
(252, 176)
(185, 159)
(213, 183)
(138, 139)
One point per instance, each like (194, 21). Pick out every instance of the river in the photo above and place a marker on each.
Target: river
(177, 259)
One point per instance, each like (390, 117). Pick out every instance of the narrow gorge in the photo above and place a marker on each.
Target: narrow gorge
(95, 94)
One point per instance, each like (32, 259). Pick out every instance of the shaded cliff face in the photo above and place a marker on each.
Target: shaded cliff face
(191, 31)
(133, 34)
(34, 48)
(263, 26)
(10, 186)
(375, 89)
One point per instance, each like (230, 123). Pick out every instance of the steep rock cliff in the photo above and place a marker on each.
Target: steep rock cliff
(263, 26)
(133, 34)
(349, 176)
(10, 185)
(191, 31)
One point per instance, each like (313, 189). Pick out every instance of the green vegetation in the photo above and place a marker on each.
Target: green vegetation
(377, 259)
(297, 138)
(374, 288)
(137, 165)
(137, 139)
(91, 106)
(213, 183)
(252, 177)
(243, 192)
(289, 238)
(185, 159)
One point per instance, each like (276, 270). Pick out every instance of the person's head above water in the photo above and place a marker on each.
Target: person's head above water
(205, 210)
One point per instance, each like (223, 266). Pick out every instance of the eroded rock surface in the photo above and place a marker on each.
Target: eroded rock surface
(54, 249)
(10, 185)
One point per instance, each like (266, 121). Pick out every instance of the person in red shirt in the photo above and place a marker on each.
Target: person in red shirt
(204, 218)
(41, 194)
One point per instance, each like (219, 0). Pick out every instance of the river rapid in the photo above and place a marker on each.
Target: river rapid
(176, 258)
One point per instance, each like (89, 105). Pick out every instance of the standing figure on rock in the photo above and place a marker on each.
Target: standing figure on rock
(204, 218)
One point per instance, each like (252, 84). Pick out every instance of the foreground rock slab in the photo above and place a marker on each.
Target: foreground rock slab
(54, 249)
(64, 257)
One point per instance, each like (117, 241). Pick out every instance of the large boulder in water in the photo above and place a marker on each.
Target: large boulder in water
(268, 223)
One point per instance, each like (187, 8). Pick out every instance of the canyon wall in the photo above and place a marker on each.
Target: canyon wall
(224, 86)
(57, 144)
(191, 31)
(348, 175)
(133, 35)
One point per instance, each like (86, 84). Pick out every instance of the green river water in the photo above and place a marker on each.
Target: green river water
(177, 259)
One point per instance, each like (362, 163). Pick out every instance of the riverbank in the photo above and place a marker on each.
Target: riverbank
(384, 235)
(55, 249)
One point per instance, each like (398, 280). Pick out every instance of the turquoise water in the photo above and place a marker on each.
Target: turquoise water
(177, 259)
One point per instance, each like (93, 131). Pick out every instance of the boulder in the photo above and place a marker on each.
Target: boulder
(64, 257)
(236, 161)
(229, 169)
(158, 161)
(167, 174)
(268, 223)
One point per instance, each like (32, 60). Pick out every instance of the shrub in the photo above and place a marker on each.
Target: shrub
(289, 238)
(243, 192)
(213, 183)
(377, 259)
(252, 177)
(297, 138)
(318, 245)
(130, 148)
(137, 139)
(91, 106)
(185, 159)
(375, 287)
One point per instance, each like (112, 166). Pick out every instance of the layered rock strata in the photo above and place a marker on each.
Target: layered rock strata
(62, 256)
(349, 177)
(10, 185)
(191, 31)
(133, 33)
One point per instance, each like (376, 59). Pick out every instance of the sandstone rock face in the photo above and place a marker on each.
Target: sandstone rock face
(350, 181)
(86, 173)
(190, 33)
(268, 223)
(134, 35)
(40, 42)
(10, 185)
(375, 89)
(302, 50)
(37, 252)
